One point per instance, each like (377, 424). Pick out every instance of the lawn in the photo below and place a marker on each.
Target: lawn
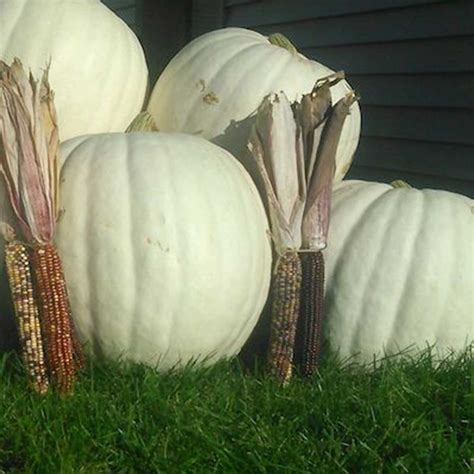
(397, 417)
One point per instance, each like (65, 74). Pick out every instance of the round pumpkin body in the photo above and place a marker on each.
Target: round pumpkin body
(214, 86)
(399, 270)
(165, 247)
(98, 70)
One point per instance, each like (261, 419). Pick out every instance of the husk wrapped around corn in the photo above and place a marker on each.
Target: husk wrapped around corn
(294, 146)
(30, 166)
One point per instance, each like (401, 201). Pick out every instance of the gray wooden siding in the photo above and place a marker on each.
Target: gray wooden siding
(412, 61)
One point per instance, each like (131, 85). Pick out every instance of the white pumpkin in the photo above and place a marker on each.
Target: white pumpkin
(98, 69)
(400, 270)
(215, 84)
(165, 247)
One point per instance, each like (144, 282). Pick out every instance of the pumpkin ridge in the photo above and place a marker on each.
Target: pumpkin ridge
(127, 141)
(181, 248)
(331, 298)
(368, 288)
(343, 251)
(400, 312)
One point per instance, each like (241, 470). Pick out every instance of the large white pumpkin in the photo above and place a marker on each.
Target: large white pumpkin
(215, 84)
(165, 247)
(98, 69)
(400, 270)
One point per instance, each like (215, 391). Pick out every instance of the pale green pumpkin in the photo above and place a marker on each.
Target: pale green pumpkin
(400, 270)
(165, 247)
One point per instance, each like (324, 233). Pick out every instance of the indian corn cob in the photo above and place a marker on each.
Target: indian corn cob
(29, 163)
(309, 336)
(26, 310)
(54, 305)
(285, 308)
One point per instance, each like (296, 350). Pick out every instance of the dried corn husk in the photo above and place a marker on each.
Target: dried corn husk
(29, 162)
(143, 122)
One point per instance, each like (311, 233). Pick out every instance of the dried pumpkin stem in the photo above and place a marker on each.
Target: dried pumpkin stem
(27, 314)
(143, 122)
(278, 39)
(399, 183)
(309, 336)
(55, 315)
(286, 296)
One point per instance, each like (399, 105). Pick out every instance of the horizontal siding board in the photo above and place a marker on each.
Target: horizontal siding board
(423, 90)
(405, 57)
(267, 12)
(229, 3)
(419, 181)
(439, 159)
(393, 25)
(432, 125)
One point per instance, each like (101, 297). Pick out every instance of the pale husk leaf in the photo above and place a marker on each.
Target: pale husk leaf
(29, 153)
(318, 202)
(276, 144)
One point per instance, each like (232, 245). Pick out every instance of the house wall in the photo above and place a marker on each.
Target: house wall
(412, 61)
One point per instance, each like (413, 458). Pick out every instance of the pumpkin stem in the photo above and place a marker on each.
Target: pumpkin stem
(399, 183)
(277, 39)
(143, 122)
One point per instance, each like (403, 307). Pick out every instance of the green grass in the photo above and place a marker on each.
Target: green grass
(401, 417)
